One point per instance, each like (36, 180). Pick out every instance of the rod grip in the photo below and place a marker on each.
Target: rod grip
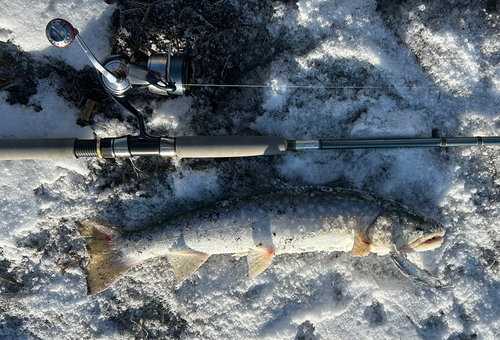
(228, 146)
(55, 148)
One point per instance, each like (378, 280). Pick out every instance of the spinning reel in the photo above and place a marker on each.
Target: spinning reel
(163, 74)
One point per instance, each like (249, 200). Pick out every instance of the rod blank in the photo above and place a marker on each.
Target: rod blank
(55, 148)
(228, 146)
(296, 145)
(208, 146)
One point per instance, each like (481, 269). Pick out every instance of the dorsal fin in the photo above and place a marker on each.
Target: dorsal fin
(361, 246)
(259, 259)
(185, 263)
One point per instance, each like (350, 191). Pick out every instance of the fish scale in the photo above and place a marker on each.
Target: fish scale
(293, 220)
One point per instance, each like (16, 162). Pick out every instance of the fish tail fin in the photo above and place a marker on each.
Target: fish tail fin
(107, 264)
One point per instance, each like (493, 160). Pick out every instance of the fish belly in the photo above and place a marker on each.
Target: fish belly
(306, 235)
(292, 225)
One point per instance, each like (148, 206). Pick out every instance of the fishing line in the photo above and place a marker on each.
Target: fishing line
(310, 86)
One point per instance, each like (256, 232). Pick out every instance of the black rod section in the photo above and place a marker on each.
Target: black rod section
(296, 145)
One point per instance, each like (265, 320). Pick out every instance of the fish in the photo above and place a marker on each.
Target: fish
(261, 226)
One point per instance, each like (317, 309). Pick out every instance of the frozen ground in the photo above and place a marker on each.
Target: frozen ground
(376, 69)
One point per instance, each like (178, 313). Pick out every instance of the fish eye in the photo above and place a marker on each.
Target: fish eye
(419, 228)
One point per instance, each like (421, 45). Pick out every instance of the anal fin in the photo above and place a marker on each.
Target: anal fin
(259, 259)
(185, 263)
(361, 246)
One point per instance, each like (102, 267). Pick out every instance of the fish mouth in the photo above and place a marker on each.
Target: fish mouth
(430, 242)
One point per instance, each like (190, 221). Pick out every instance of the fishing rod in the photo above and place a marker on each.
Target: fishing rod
(168, 75)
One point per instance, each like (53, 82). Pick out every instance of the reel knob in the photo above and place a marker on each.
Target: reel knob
(60, 33)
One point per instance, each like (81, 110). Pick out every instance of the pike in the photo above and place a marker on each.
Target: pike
(292, 220)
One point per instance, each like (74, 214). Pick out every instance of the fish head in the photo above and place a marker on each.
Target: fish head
(405, 231)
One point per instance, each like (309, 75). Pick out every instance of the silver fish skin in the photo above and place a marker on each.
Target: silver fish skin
(293, 220)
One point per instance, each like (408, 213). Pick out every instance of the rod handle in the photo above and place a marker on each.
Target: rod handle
(228, 146)
(55, 148)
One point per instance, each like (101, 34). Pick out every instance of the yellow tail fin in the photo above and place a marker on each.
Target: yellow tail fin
(107, 265)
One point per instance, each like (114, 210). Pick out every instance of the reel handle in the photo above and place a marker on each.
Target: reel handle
(61, 34)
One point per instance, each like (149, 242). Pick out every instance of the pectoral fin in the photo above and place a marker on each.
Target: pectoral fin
(361, 246)
(259, 259)
(184, 264)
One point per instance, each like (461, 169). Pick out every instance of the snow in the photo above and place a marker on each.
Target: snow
(338, 70)
(55, 119)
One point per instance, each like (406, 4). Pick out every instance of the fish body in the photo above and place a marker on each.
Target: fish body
(293, 220)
